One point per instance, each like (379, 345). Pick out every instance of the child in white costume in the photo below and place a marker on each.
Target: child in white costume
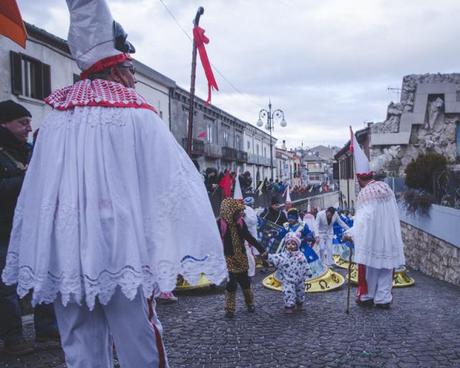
(293, 270)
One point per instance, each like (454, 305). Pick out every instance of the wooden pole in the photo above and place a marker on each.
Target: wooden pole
(196, 22)
(349, 280)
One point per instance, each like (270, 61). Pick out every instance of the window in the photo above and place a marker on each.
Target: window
(238, 142)
(257, 150)
(226, 136)
(265, 151)
(249, 146)
(211, 130)
(29, 76)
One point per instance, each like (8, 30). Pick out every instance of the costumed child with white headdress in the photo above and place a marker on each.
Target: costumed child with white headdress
(86, 234)
(293, 270)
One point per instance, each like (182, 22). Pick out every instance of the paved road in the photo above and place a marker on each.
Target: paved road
(421, 330)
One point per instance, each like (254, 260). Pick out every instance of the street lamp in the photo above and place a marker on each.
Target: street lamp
(269, 117)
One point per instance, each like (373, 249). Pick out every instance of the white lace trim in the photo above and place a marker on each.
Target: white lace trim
(46, 287)
(375, 192)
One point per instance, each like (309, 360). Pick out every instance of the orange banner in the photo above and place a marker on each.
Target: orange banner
(11, 24)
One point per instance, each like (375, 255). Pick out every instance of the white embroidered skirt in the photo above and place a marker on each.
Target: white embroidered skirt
(110, 200)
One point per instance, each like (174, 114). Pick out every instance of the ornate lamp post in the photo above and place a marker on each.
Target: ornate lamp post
(268, 117)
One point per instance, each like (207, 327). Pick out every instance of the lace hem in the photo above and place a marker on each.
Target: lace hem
(78, 288)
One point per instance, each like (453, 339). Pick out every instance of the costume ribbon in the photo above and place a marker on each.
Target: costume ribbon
(200, 41)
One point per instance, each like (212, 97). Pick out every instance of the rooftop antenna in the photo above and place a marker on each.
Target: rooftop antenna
(395, 90)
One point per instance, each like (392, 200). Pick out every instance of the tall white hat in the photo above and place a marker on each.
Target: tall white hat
(362, 166)
(96, 41)
(288, 195)
(237, 194)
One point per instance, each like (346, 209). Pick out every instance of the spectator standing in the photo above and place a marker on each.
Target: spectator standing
(15, 153)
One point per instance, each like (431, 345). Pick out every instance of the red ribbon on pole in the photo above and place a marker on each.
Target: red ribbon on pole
(200, 41)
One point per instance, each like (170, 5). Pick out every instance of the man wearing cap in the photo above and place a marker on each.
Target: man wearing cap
(274, 214)
(86, 235)
(325, 221)
(293, 225)
(14, 158)
(376, 234)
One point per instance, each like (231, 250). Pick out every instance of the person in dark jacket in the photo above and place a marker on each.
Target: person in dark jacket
(234, 232)
(14, 157)
(274, 214)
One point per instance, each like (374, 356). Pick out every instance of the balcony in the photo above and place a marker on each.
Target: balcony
(253, 159)
(228, 154)
(241, 156)
(212, 150)
(197, 146)
(266, 161)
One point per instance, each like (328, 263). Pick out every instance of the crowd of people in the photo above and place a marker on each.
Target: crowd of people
(79, 226)
(221, 185)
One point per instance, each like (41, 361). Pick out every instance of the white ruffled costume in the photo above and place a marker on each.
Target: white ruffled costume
(110, 199)
(376, 231)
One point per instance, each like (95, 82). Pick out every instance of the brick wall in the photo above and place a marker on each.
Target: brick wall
(431, 255)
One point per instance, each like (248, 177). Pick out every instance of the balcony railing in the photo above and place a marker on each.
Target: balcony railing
(197, 146)
(241, 156)
(253, 159)
(212, 150)
(266, 161)
(228, 154)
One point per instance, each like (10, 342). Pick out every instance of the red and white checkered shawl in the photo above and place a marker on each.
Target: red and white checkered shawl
(98, 92)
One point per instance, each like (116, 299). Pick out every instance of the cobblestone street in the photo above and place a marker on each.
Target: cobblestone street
(421, 330)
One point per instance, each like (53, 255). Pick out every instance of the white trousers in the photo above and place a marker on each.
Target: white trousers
(379, 284)
(325, 249)
(88, 337)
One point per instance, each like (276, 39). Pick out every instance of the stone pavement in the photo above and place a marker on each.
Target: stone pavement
(421, 330)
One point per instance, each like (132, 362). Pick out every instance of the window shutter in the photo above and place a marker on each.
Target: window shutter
(46, 75)
(16, 73)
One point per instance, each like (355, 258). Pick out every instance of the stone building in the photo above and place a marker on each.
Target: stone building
(28, 75)
(344, 169)
(427, 118)
(318, 162)
(220, 140)
(257, 145)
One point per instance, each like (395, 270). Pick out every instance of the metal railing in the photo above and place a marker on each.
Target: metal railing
(228, 154)
(264, 199)
(241, 156)
(212, 150)
(197, 146)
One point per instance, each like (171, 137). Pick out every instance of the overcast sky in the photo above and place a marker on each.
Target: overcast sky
(327, 64)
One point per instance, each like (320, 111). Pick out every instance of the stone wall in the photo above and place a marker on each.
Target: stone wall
(431, 255)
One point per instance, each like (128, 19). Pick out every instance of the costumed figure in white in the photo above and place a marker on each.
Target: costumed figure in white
(310, 218)
(250, 218)
(376, 234)
(325, 221)
(86, 234)
(293, 270)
